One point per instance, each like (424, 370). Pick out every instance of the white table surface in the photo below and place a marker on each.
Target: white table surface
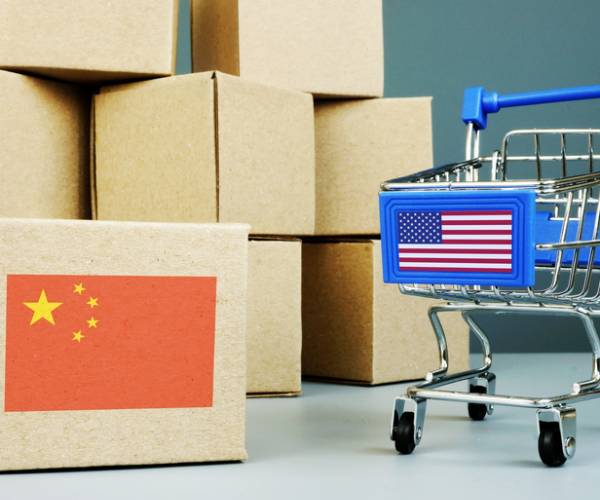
(332, 442)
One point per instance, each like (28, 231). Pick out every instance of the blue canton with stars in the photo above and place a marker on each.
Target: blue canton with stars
(420, 227)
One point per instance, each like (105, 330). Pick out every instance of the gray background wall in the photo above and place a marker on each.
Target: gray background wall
(439, 47)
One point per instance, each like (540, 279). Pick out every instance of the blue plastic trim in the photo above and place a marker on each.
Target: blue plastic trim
(522, 204)
(548, 231)
(472, 111)
(478, 102)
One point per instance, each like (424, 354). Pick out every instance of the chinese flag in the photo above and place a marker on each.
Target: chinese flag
(109, 342)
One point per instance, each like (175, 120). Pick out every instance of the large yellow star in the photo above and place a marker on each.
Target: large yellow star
(42, 309)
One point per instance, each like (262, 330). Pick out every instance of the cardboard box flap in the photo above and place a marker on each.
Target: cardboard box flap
(332, 48)
(132, 124)
(352, 319)
(359, 144)
(259, 127)
(215, 44)
(89, 41)
(337, 295)
(274, 333)
(206, 147)
(44, 148)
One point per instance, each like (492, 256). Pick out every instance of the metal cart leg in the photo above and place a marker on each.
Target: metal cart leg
(409, 412)
(556, 419)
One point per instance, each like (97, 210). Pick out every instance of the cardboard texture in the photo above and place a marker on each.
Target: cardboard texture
(274, 340)
(358, 329)
(44, 144)
(329, 49)
(121, 255)
(89, 41)
(360, 144)
(205, 147)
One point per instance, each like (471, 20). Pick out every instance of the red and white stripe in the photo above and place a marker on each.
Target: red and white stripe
(472, 241)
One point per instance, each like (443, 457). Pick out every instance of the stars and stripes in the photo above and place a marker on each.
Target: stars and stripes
(456, 241)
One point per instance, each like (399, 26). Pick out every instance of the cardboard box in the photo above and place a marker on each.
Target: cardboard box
(330, 48)
(44, 148)
(359, 145)
(358, 329)
(274, 340)
(206, 147)
(122, 343)
(89, 40)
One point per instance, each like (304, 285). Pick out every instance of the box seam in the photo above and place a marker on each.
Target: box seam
(217, 145)
(237, 46)
(373, 315)
(92, 169)
(175, 35)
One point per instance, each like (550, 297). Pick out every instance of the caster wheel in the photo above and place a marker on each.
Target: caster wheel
(550, 445)
(477, 411)
(404, 434)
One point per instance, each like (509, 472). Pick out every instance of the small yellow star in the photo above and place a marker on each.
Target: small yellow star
(42, 309)
(92, 322)
(93, 302)
(77, 336)
(79, 288)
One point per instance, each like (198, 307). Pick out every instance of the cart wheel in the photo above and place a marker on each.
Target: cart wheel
(477, 411)
(550, 445)
(404, 434)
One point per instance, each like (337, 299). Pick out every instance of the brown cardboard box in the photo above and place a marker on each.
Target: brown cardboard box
(359, 145)
(205, 147)
(356, 328)
(77, 396)
(328, 48)
(89, 40)
(44, 148)
(274, 340)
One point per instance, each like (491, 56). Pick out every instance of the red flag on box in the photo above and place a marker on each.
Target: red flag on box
(109, 342)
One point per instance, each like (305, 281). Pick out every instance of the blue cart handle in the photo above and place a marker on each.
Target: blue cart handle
(478, 102)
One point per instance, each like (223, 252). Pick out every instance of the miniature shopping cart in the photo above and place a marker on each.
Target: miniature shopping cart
(513, 232)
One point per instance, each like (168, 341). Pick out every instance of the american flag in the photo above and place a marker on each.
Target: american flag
(457, 241)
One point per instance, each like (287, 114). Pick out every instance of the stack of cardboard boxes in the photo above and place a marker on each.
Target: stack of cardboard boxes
(281, 127)
(211, 147)
(354, 328)
(84, 383)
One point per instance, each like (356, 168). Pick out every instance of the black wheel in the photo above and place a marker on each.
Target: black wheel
(477, 411)
(550, 445)
(404, 434)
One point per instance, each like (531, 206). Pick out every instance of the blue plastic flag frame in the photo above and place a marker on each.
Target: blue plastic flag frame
(520, 202)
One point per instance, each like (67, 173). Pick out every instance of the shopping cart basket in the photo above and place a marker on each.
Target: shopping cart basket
(516, 231)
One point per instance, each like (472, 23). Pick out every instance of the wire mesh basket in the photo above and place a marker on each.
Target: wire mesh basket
(514, 231)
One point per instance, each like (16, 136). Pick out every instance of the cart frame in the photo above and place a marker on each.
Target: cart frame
(569, 196)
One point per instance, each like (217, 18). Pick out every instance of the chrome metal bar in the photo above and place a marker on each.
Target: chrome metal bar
(548, 158)
(591, 152)
(543, 187)
(538, 162)
(502, 400)
(587, 281)
(575, 257)
(559, 255)
(469, 141)
(567, 245)
(442, 344)
(563, 154)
